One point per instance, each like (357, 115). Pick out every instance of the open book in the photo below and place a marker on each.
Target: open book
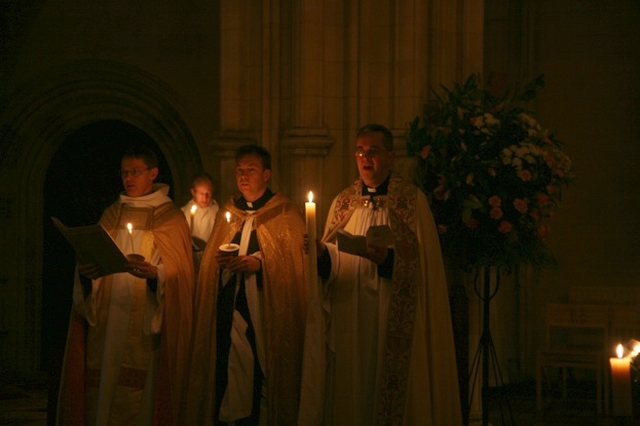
(93, 244)
(357, 244)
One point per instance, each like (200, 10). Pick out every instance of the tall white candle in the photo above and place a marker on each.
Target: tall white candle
(310, 213)
(130, 228)
(621, 384)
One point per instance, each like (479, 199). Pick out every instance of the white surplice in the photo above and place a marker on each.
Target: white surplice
(120, 311)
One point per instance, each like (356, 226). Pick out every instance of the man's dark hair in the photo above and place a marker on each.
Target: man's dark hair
(256, 150)
(145, 153)
(387, 136)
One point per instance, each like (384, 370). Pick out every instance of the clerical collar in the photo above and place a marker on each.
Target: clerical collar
(381, 189)
(243, 204)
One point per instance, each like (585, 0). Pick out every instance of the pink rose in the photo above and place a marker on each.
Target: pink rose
(520, 205)
(543, 229)
(525, 175)
(472, 224)
(543, 199)
(495, 213)
(495, 201)
(535, 215)
(424, 153)
(505, 227)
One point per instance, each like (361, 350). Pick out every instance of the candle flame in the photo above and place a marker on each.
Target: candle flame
(129, 227)
(310, 197)
(228, 214)
(193, 209)
(619, 351)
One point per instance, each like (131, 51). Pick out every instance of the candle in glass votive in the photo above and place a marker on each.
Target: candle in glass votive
(621, 384)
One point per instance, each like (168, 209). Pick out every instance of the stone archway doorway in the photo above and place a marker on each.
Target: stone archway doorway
(80, 182)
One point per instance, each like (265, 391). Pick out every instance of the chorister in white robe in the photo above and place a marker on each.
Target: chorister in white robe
(202, 220)
(201, 223)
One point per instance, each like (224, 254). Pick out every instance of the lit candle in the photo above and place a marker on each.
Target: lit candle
(621, 384)
(310, 213)
(228, 215)
(130, 228)
(193, 213)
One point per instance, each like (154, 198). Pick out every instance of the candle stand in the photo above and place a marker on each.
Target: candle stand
(486, 350)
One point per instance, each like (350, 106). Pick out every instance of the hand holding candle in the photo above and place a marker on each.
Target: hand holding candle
(227, 250)
(132, 256)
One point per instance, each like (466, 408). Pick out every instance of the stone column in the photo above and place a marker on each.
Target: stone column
(306, 139)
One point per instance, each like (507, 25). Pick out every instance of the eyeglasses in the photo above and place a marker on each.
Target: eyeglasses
(134, 172)
(369, 153)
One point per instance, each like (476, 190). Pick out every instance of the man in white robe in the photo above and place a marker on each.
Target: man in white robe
(201, 213)
(390, 356)
(129, 334)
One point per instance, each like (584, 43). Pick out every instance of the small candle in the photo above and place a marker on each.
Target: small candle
(193, 213)
(228, 215)
(621, 384)
(130, 228)
(310, 214)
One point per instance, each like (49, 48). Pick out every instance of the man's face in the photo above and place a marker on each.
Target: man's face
(251, 177)
(202, 192)
(374, 161)
(137, 178)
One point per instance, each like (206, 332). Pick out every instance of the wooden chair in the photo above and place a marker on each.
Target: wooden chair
(577, 337)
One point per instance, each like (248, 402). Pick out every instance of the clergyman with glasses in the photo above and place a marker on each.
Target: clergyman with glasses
(129, 334)
(390, 356)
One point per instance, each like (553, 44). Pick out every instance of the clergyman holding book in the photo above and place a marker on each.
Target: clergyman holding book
(129, 334)
(389, 348)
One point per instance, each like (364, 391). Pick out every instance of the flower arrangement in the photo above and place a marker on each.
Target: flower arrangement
(493, 176)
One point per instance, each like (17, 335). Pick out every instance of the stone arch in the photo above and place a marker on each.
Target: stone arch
(36, 122)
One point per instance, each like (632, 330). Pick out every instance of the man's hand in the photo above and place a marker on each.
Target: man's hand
(141, 269)
(223, 257)
(245, 263)
(90, 270)
(376, 253)
(320, 246)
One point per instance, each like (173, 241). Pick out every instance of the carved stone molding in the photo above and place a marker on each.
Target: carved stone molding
(307, 142)
(225, 143)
